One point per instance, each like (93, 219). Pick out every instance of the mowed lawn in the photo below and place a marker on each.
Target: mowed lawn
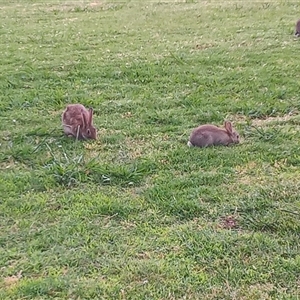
(136, 214)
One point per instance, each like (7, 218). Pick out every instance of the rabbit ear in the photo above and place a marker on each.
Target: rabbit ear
(84, 120)
(90, 120)
(228, 127)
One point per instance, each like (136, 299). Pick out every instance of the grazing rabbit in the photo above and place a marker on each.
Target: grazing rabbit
(210, 135)
(77, 121)
(297, 33)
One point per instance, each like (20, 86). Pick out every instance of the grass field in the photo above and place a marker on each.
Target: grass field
(137, 214)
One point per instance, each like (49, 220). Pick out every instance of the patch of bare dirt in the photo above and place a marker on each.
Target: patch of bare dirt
(229, 222)
(12, 280)
(204, 46)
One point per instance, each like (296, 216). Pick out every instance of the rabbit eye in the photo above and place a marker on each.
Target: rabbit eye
(88, 131)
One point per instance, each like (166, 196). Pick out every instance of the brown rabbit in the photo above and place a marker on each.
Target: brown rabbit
(297, 33)
(210, 135)
(77, 121)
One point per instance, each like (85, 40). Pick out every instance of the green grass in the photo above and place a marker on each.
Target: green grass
(137, 214)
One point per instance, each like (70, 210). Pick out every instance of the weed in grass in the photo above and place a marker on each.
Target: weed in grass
(69, 171)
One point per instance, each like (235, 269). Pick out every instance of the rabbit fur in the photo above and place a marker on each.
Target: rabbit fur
(211, 135)
(77, 122)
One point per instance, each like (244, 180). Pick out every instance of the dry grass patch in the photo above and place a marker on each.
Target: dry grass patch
(268, 120)
(253, 292)
(243, 120)
(69, 6)
(245, 173)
